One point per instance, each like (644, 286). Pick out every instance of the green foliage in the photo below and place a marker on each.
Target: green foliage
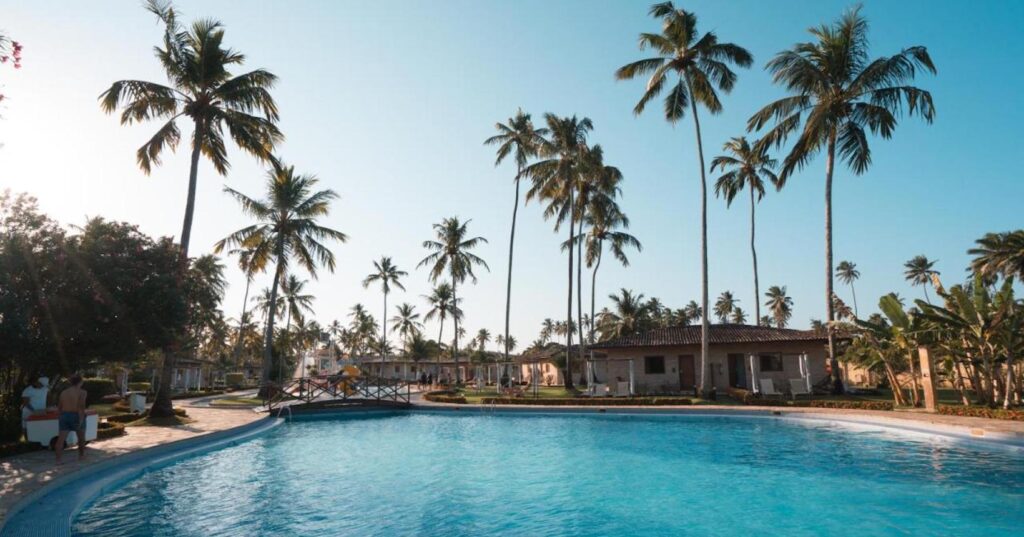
(234, 380)
(143, 387)
(98, 388)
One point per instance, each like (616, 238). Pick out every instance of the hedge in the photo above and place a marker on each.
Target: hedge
(109, 429)
(445, 397)
(8, 449)
(128, 418)
(97, 389)
(143, 387)
(749, 398)
(589, 401)
(234, 380)
(982, 412)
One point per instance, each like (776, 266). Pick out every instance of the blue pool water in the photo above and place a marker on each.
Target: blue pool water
(432, 474)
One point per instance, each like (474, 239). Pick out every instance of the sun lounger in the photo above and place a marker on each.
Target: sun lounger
(798, 387)
(768, 388)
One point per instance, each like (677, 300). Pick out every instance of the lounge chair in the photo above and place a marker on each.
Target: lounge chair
(798, 387)
(622, 389)
(768, 388)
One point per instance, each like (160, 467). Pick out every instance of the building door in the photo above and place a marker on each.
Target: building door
(737, 373)
(687, 378)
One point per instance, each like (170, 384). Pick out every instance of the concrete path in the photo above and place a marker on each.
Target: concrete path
(23, 474)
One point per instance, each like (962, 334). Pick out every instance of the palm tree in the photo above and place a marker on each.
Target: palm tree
(738, 316)
(519, 138)
(483, 337)
(839, 95)
(201, 88)
(547, 329)
(700, 63)
(999, 253)
(406, 322)
(556, 179)
(724, 306)
(443, 304)
(335, 330)
(605, 219)
(296, 303)
(451, 254)
(247, 268)
(780, 305)
(387, 273)
(693, 311)
(919, 272)
(264, 300)
(631, 315)
(848, 273)
(286, 231)
(749, 167)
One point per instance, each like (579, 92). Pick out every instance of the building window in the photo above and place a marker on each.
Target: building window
(654, 365)
(771, 362)
(396, 369)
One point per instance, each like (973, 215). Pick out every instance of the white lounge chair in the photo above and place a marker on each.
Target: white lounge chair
(798, 387)
(768, 388)
(622, 389)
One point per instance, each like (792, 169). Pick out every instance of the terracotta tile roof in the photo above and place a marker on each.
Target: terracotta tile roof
(718, 333)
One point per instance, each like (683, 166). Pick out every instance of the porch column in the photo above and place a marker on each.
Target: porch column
(927, 381)
(754, 373)
(631, 389)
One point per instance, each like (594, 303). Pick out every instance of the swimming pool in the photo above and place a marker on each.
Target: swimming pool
(520, 474)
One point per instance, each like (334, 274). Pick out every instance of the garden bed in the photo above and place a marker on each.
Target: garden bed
(589, 401)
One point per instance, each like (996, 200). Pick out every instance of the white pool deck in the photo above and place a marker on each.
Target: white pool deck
(23, 475)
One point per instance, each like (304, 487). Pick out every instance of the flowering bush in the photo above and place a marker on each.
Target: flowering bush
(982, 412)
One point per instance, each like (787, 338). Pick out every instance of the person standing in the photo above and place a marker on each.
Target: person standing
(33, 401)
(72, 416)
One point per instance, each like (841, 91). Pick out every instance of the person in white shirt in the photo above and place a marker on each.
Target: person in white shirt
(33, 400)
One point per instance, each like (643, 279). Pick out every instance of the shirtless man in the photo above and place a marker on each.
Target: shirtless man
(72, 416)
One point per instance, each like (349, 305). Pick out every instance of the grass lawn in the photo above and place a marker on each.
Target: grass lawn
(237, 402)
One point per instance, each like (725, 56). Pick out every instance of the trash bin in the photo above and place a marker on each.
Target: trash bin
(137, 402)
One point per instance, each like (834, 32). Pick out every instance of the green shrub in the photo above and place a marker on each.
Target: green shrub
(109, 429)
(98, 388)
(590, 401)
(445, 397)
(982, 412)
(18, 447)
(143, 387)
(234, 380)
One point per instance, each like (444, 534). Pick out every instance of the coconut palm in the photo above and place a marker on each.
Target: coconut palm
(847, 273)
(483, 337)
(520, 139)
(738, 316)
(724, 306)
(247, 268)
(605, 221)
(693, 311)
(839, 96)
(747, 166)
(203, 90)
(701, 64)
(286, 232)
(999, 254)
(297, 304)
(442, 305)
(547, 329)
(919, 271)
(556, 180)
(406, 322)
(387, 273)
(780, 305)
(630, 314)
(263, 301)
(451, 255)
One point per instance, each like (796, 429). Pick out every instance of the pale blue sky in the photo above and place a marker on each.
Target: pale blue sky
(389, 105)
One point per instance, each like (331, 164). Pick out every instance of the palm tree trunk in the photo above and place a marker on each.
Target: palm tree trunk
(593, 293)
(1008, 391)
(440, 333)
(854, 291)
(568, 315)
(455, 319)
(753, 254)
(837, 379)
(268, 334)
(511, 243)
(704, 327)
(579, 295)
(384, 331)
(241, 321)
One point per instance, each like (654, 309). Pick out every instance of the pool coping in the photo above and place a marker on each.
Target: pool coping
(71, 493)
(68, 494)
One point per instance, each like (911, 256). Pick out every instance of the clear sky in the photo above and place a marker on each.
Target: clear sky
(389, 103)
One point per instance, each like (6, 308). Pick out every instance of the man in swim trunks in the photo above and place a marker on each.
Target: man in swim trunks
(72, 416)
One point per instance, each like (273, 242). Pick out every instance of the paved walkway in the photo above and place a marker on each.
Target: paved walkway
(23, 474)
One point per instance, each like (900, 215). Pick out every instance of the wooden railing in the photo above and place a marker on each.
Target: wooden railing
(339, 388)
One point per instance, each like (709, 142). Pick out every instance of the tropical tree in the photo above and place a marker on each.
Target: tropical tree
(387, 273)
(520, 139)
(443, 304)
(999, 254)
(361, 330)
(888, 344)
(296, 302)
(556, 180)
(780, 305)
(483, 337)
(701, 65)
(693, 312)
(848, 273)
(451, 254)
(264, 300)
(547, 329)
(838, 96)
(919, 271)
(748, 167)
(245, 265)
(738, 316)
(286, 232)
(724, 306)
(406, 322)
(605, 221)
(629, 315)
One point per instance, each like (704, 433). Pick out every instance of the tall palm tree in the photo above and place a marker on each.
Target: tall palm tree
(451, 254)
(839, 95)
(406, 322)
(263, 303)
(919, 272)
(738, 316)
(204, 90)
(700, 63)
(999, 253)
(547, 329)
(605, 220)
(286, 231)
(748, 167)
(247, 268)
(780, 305)
(556, 179)
(443, 304)
(629, 315)
(483, 337)
(693, 311)
(387, 273)
(847, 273)
(297, 303)
(724, 306)
(335, 331)
(520, 139)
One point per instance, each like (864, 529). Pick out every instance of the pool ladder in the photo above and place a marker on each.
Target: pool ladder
(282, 409)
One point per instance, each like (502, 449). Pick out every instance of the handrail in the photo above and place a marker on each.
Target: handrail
(340, 387)
(282, 409)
